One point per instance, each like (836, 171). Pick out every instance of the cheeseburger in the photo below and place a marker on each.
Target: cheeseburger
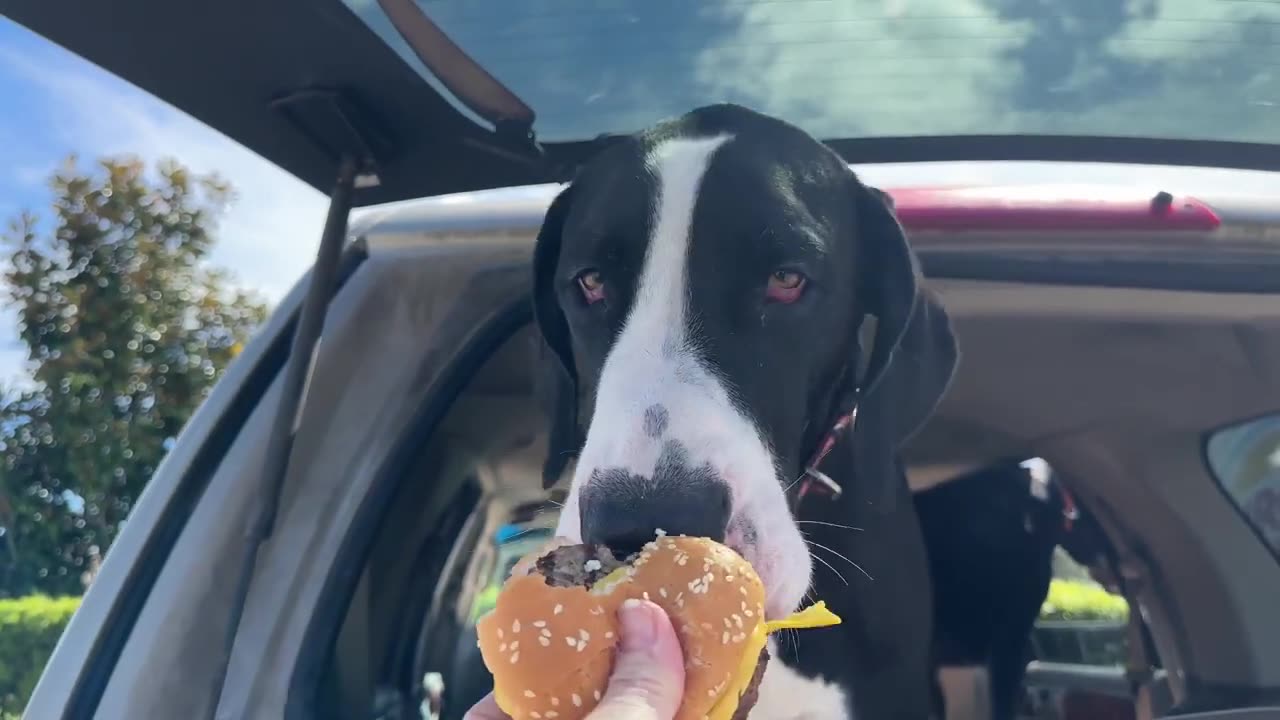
(550, 639)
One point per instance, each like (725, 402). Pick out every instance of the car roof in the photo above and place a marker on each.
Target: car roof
(301, 81)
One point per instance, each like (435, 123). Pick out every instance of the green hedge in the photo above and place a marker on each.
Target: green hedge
(29, 629)
(1073, 600)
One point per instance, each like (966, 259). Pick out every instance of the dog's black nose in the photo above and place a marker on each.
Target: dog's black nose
(625, 511)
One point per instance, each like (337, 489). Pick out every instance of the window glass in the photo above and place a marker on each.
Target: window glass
(867, 68)
(1245, 461)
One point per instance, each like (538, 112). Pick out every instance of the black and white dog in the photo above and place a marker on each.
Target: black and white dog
(703, 285)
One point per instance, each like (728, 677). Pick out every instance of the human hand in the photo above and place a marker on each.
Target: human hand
(648, 672)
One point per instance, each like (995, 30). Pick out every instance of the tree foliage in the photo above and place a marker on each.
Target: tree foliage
(127, 327)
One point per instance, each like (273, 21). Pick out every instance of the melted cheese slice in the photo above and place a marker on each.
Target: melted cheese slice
(814, 616)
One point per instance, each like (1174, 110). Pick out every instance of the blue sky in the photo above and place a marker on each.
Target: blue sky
(56, 104)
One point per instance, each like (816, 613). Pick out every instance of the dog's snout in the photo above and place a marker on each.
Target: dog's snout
(625, 511)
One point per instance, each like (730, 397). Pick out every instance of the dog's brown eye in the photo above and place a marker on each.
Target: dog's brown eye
(592, 286)
(785, 286)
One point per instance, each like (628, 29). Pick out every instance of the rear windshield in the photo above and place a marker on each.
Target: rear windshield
(1189, 69)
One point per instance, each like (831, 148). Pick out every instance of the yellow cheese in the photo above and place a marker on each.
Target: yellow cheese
(814, 616)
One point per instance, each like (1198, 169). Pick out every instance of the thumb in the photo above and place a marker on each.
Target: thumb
(648, 673)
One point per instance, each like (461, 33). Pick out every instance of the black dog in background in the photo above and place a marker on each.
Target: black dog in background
(990, 537)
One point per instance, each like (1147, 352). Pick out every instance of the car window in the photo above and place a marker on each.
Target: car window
(1245, 461)
(1081, 622)
(866, 68)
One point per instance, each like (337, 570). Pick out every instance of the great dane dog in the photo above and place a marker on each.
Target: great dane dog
(703, 287)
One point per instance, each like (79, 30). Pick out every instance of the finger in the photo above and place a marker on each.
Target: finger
(486, 709)
(648, 674)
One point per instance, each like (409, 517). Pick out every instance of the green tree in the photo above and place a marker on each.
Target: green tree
(127, 328)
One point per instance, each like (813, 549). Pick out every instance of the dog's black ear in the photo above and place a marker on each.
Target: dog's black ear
(564, 437)
(914, 354)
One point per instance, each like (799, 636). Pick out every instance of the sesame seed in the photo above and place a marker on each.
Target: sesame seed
(514, 657)
(742, 590)
(582, 645)
(577, 700)
(737, 620)
(544, 641)
(535, 715)
(502, 647)
(711, 693)
(552, 714)
(728, 578)
(646, 595)
(662, 592)
(705, 626)
(739, 637)
(515, 626)
(724, 638)
(515, 644)
(748, 613)
(596, 693)
(608, 635)
(557, 610)
(530, 694)
(726, 622)
(555, 702)
(499, 633)
(539, 623)
(584, 634)
(570, 641)
(545, 633)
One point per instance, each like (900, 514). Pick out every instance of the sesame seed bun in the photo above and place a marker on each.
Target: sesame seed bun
(551, 638)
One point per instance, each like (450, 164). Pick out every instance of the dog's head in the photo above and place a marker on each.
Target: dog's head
(702, 286)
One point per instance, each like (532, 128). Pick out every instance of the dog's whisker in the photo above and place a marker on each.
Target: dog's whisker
(842, 557)
(829, 567)
(828, 524)
(787, 489)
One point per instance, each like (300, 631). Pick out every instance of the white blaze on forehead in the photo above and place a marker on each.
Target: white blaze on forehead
(659, 308)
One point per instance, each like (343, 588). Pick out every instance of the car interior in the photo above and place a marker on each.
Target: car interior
(1118, 389)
